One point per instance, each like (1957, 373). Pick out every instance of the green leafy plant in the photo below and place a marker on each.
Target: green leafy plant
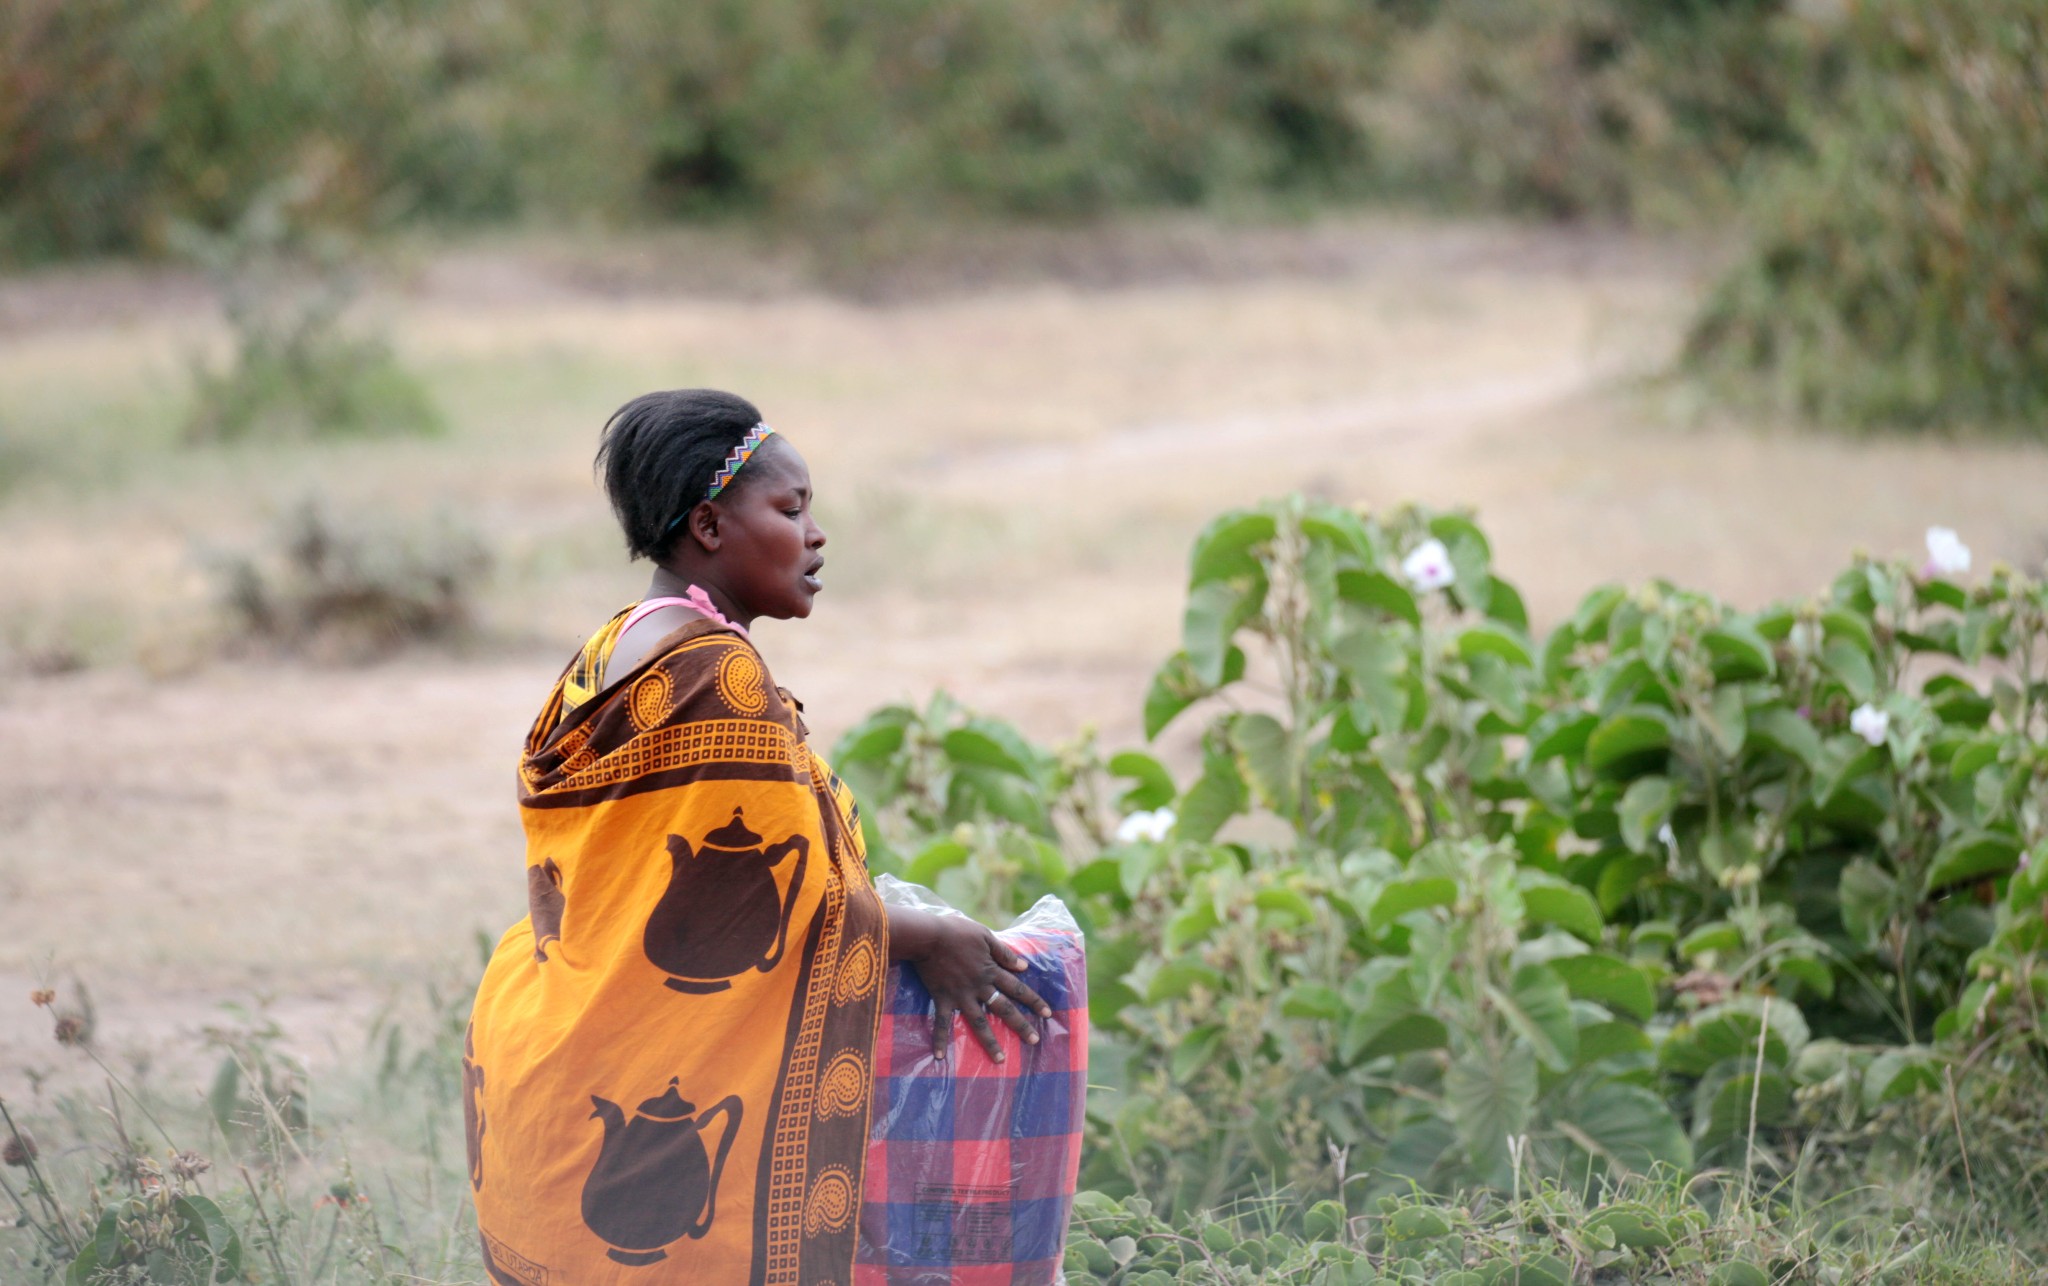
(1448, 902)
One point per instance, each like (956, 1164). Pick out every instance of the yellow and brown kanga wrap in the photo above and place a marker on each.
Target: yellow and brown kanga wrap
(669, 1065)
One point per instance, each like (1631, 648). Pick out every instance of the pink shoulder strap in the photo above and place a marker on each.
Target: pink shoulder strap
(650, 606)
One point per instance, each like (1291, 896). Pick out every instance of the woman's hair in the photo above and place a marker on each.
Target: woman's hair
(658, 454)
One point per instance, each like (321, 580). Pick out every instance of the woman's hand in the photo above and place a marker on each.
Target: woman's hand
(969, 971)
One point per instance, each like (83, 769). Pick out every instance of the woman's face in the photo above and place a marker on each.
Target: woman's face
(769, 541)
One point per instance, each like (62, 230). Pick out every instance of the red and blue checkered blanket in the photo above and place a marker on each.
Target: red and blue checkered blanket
(972, 1163)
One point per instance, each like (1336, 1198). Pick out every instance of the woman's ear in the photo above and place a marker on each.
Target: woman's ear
(703, 526)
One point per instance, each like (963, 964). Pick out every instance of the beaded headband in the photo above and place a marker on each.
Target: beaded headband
(734, 461)
(737, 458)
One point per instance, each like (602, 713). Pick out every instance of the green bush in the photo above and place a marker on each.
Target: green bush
(298, 365)
(119, 118)
(1897, 271)
(1631, 109)
(128, 115)
(1451, 903)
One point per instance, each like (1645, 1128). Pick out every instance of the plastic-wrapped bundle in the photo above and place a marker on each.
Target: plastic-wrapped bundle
(972, 1163)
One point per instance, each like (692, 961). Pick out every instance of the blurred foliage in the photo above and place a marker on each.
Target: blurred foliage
(136, 1181)
(124, 114)
(120, 117)
(1900, 275)
(298, 365)
(1890, 154)
(1452, 903)
(1639, 109)
(352, 587)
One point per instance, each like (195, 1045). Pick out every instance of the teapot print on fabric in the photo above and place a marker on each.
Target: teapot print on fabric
(723, 914)
(654, 1181)
(544, 905)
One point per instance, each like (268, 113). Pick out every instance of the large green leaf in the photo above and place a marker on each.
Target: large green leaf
(1177, 978)
(1490, 1101)
(1174, 688)
(1972, 856)
(1152, 784)
(1561, 733)
(1789, 733)
(874, 738)
(939, 856)
(988, 744)
(1380, 592)
(1312, 1000)
(1374, 660)
(1739, 653)
(1226, 546)
(1504, 604)
(1214, 611)
(1851, 664)
(1340, 529)
(203, 1224)
(1732, 1097)
(1404, 896)
(1194, 1053)
(1609, 980)
(1627, 738)
(1645, 807)
(1489, 639)
(1566, 905)
(1732, 1030)
(1194, 922)
(1631, 1127)
(1538, 1006)
(1899, 1073)
(1726, 720)
(1262, 746)
(1391, 1021)
(1217, 795)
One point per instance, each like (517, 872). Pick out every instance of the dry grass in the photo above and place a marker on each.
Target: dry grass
(1010, 474)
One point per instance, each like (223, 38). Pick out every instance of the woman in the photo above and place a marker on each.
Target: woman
(670, 1058)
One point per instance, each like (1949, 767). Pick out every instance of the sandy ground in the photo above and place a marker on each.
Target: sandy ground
(1011, 465)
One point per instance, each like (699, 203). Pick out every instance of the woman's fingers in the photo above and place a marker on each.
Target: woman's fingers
(1006, 955)
(1020, 991)
(985, 1032)
(942, 1026)
(1017, 1020)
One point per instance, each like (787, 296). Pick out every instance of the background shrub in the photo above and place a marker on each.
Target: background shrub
(1610, 108)
(299, 364)
(1897, 273)
(354, 588)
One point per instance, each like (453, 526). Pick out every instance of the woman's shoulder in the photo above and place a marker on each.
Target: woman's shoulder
(711, 671)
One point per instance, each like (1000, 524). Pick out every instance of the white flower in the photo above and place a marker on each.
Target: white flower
(1870, 723)
(1151, 826)
(1428, 566)
(1667, 836)
(1947, 555)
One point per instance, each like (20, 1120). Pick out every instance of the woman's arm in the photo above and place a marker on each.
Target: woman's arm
(968, 970)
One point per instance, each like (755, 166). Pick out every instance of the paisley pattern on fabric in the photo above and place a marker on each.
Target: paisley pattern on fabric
(680, 1035)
